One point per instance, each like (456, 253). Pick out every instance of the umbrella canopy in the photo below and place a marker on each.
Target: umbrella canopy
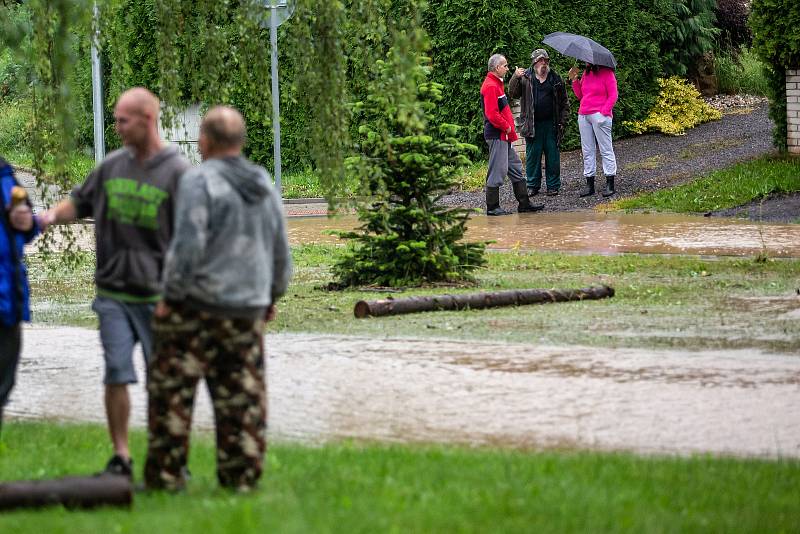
(581, 47)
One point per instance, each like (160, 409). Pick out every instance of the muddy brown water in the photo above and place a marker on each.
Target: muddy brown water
(328, 388)
(583, 232)
(594, 232)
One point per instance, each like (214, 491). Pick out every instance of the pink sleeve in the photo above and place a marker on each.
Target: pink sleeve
(576, 88)
(610, 81)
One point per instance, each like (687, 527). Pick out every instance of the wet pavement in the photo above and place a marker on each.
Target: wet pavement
(329, 388)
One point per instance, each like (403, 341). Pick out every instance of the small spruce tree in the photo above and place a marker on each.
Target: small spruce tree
(406, 164)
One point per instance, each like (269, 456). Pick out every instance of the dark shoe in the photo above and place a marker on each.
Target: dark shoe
(118, 466)
(552, 192)
(589, 189)
(497, 212)
(532, 192)
(609, 186)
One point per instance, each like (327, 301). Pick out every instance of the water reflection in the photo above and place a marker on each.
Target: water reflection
(600, 233)
(584, 232)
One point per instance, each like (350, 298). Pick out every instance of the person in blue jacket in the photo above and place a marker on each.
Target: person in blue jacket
(18, 227)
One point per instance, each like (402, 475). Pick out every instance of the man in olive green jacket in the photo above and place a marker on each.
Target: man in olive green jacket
(543, 117)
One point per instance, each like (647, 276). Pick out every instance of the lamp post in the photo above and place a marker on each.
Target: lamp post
(280, 11)
(97, 93)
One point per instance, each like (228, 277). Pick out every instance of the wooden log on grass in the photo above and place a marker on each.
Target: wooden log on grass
(71, 492)
(474, 301)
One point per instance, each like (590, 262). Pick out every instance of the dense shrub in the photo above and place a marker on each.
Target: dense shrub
(14, 126)
(464, 33)
(679, 107)
(776, 39)
(15, 72)
(732, 21)
(692, 34)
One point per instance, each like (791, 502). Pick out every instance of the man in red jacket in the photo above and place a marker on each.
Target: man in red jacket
(498, 130)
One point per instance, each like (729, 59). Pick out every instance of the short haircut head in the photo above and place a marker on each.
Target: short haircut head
(140, 100)
(224, 127)
(495, 60)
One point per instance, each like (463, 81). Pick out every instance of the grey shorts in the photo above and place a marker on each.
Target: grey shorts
(122, 325)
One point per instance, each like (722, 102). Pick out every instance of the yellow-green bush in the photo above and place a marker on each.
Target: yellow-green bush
(678, 108)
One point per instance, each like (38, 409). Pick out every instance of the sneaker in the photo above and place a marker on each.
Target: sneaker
(552, 192)
(118, 466)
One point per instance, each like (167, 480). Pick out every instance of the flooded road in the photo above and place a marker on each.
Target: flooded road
(585, 231)
(599, 233)
(328, 388)
(582, 232)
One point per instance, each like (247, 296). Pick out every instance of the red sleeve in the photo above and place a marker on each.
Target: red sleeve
(492, 111)
(610, 81)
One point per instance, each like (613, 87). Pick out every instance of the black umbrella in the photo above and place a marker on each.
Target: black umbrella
(582, 48)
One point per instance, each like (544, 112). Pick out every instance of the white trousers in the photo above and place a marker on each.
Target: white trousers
(596, 131)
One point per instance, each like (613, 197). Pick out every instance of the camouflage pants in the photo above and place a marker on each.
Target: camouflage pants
(229, 354)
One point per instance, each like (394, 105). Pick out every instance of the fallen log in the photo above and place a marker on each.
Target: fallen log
(72, 492)
(492, 299)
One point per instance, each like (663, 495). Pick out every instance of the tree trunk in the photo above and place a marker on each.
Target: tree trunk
(72, 492)
(492, 299)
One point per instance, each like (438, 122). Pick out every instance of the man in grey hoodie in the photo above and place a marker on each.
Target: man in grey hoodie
(131, 197)
(228, 263)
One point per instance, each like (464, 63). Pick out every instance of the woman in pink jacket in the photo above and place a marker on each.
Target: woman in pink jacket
(597, 92)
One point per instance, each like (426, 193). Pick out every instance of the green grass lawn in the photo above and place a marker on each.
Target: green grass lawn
(726, 188)
(371, 488)
(660, 302)
(305, 183)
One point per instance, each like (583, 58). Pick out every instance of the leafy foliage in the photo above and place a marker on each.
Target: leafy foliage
(406, 162)
(678, 108)
(693, 33)
(464, 33)
(43, 40)
(776, 39)
(732, 21)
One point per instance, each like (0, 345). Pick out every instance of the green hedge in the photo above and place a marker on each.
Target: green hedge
(776, 39)
(463, 33)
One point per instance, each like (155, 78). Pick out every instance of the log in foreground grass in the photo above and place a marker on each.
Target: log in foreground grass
(71, 492)
(477, 301)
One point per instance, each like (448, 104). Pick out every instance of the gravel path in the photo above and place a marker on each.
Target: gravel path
(653, 161)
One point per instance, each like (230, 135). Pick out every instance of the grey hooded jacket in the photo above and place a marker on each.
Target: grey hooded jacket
(229, 253)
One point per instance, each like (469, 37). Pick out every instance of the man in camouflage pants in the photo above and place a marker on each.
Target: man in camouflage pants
(226, 266)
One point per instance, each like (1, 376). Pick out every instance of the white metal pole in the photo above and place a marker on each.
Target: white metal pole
(97, 94)
(276, 119)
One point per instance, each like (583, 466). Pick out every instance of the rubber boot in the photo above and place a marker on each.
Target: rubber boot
(493, 202)
(589, 189)
(521, 194)
(609, 186)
